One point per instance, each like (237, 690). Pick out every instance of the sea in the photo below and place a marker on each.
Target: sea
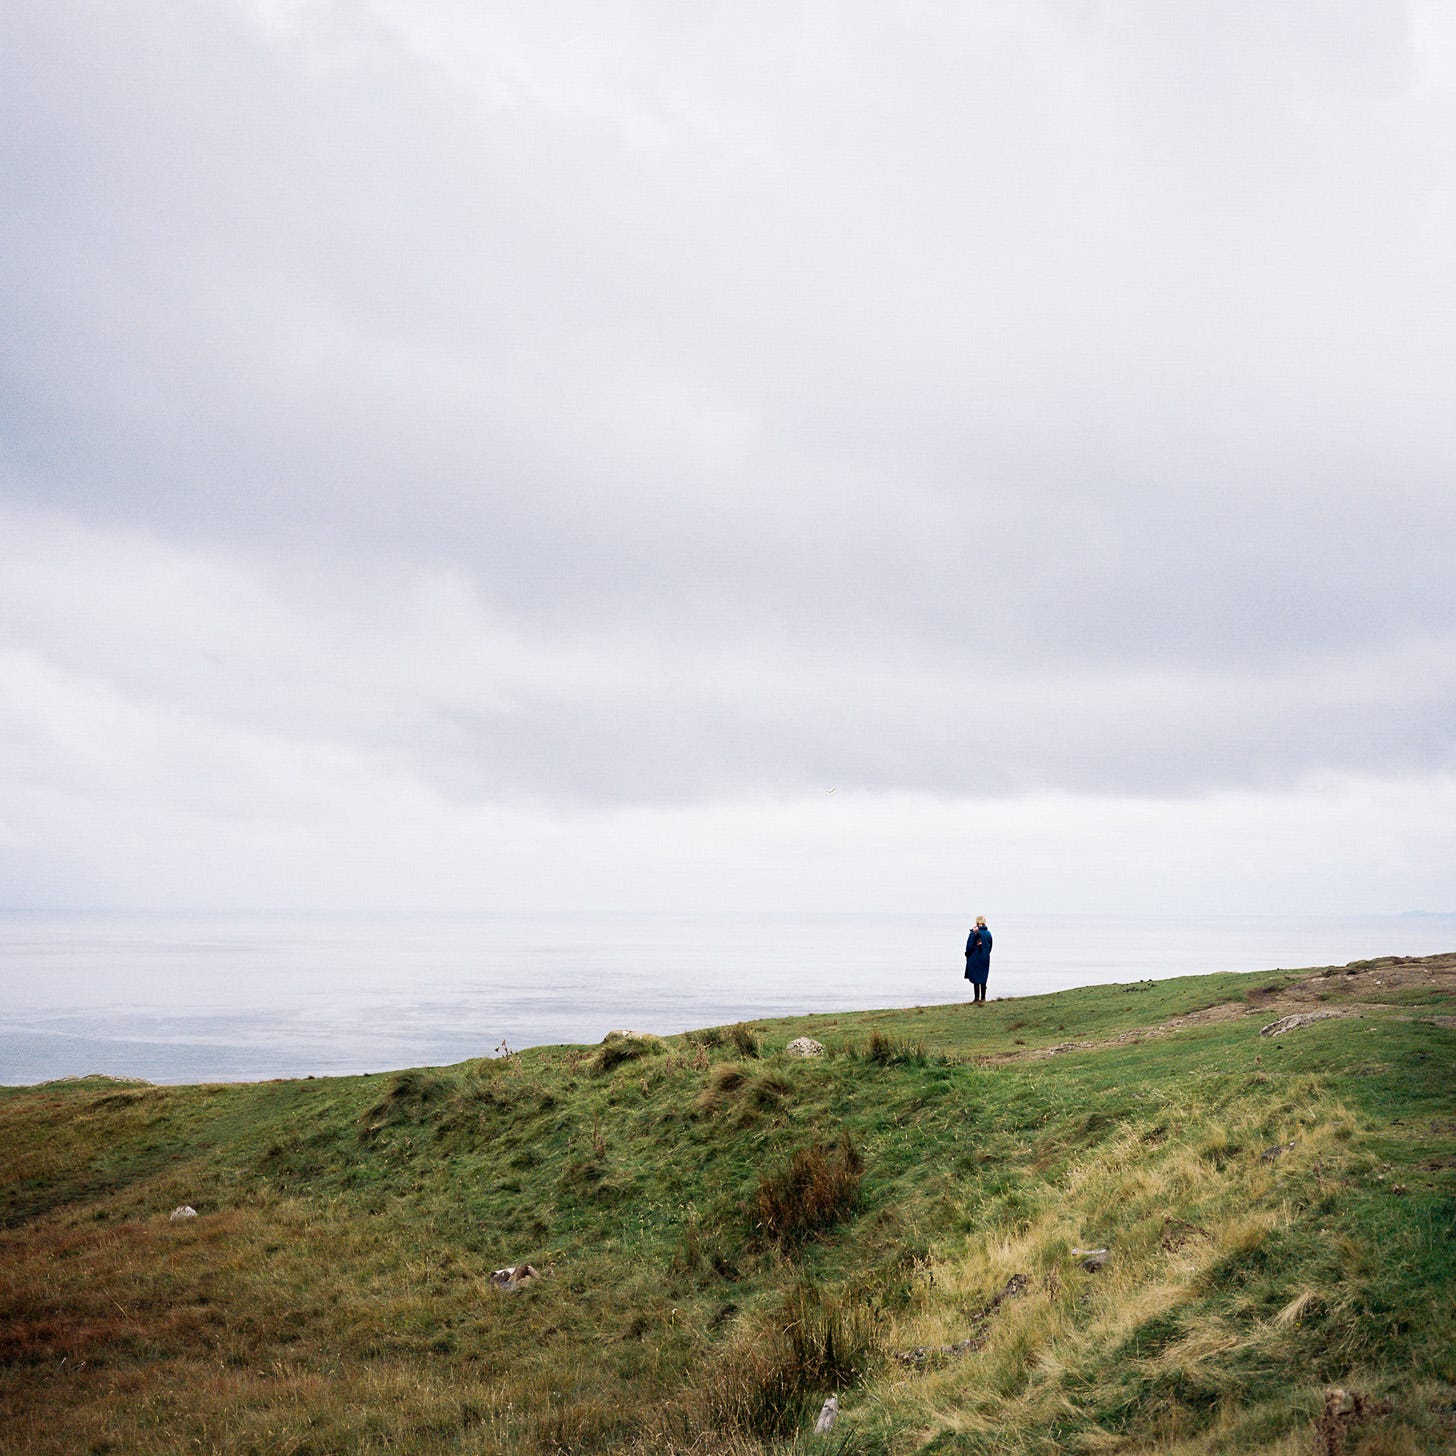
(211, 998)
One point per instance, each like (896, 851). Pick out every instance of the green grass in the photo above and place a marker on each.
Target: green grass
(726, 1235)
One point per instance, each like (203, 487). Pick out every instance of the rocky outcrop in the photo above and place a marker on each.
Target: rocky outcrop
(923, 1355)
(1286, 1024)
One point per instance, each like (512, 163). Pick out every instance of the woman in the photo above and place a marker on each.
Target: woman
(978, 958)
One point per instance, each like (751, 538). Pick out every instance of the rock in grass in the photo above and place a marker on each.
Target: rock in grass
(1092, 1259)
(805, 1046)
(186, 1211)
(1293, 1023)
(1014, 1288)
(1344, 1410)
(1277, 1151)
(827, 1416)
(513, 1278)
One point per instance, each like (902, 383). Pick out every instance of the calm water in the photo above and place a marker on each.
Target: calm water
(216, 998)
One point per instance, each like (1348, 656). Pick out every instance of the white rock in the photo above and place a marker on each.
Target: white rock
(827, 1416)
(513, 1278)
(1287, 1024)
(186, 1211)
(805, 1046)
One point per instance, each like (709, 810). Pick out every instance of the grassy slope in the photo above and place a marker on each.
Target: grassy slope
(334, 1295)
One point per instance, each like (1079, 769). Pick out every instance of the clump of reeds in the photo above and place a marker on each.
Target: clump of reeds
(811, 1193)
(744, 1039)
(886, 1051)
(778, 1367)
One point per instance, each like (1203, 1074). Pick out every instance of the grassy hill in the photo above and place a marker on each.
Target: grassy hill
(726, 1234)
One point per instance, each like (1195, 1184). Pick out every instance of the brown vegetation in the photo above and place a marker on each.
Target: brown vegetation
(811, 1193)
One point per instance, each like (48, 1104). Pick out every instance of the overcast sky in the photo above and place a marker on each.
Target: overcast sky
(762, 455)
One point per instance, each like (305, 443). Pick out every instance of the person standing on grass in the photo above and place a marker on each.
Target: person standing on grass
(978, 958)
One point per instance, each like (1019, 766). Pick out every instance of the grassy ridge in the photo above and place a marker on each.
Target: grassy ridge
(726, 1235)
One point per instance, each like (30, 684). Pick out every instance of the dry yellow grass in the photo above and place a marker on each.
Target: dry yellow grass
(1026, 1374)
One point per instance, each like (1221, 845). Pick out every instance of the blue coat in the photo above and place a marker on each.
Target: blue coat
(978, 955)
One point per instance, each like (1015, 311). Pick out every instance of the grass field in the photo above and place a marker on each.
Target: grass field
(725, 1235)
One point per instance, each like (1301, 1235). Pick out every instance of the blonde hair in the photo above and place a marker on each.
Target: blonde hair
(980, 919)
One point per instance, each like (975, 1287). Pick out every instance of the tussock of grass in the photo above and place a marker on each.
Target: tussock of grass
(618, 1047)
(406, 1096)
(781, 1363)
(744, 1040)
(723, 1085)
(750, 1094)
(812, 1192)
(888, 1051)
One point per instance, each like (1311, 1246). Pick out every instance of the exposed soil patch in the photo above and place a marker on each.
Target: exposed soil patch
(1374, 981)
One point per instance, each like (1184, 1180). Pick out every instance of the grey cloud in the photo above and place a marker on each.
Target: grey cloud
(159, 668)
(763, 358)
